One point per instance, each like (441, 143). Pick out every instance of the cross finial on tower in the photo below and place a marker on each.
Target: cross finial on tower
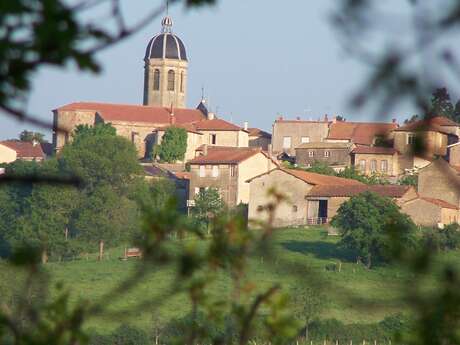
(167, 21)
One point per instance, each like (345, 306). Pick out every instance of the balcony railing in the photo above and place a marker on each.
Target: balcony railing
(317, 221)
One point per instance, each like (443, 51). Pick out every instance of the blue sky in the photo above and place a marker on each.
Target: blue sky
(256, 59)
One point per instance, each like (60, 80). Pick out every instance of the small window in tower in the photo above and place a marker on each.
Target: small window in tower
(182, 82)
(171, 77)
(156, 80)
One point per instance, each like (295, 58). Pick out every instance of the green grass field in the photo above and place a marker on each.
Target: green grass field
(354, 294)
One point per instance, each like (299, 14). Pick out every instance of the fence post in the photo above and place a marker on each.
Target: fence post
(101, 250)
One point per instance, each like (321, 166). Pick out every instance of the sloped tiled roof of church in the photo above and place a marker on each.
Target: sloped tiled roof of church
(216, 125)
(362, 133)
(137, 113)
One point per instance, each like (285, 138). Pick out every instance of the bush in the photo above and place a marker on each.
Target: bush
(442, 239)
(173, 145)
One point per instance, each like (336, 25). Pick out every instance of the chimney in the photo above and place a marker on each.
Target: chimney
(211, 115)
(205, 150)
(280, 118)
(245, 125)
(34, 142)
(172, 119)
(393, 120)
(326, 118)
(298, 118)
(334, 119)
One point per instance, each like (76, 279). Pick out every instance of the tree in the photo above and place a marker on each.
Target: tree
(364, 223)
(97, 156)
(173, 145)
(409, 180)
(208, 205)
(30, 136)
(100, 130)
(309, 303)
(441, 104)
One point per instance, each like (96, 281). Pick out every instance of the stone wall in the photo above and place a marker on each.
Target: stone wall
(262, 142)
(292, 212)
(66, 122)
(163, 97)
(438, 180)
(224, 182)
(336, 156)
(251, 167)
(422, 212)
(392, 161)
(226, 138)
(316, 131)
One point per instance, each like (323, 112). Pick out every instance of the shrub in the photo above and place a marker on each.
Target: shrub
(173, 145)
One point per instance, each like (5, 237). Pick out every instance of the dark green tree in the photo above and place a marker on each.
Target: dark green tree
(100, 130)
(98, 157)
(32, 136)
(173, 145)
(364, 222)
(441, 104)
(105, 215)
(208, 205)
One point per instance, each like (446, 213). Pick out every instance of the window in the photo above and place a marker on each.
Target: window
(373, 166)
(362, 164)
(286, 142)
(182, 82)
(326, 154)
(232, 170)
(156, 80)
(215, 171)
(410, 139)
(294, 208)
(171, 80)
(311, 153)
(202, 171)
(260, 208)
(304, 140)
(213, 139)
(384, 166)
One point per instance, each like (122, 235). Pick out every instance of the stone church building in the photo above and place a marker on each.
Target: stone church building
(164, 105)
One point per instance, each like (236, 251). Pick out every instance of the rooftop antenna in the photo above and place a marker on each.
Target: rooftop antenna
(202, 94)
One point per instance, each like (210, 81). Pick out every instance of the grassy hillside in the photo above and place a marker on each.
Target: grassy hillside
(300, 257)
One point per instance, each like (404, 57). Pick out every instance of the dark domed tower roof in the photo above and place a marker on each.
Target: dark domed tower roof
(166, 45)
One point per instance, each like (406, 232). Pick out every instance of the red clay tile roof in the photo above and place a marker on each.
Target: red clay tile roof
(362, 133)
(225, 155)
(136, 113)
(182, 175)
(374, 150)
(441, 203)
(393, 191)
(319, 179)
(216, 125)
(24, 149)
(434, 124)
(256, 132)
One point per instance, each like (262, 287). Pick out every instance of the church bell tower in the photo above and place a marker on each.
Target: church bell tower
(166, 67)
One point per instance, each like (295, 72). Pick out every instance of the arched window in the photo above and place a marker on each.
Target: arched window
(156, 80)
(182, 82)
(171, 77)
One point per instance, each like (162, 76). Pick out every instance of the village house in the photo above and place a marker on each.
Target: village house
(371, 160)
(289, 134)
(429, 137)
(227, 169)
(259, 138)
(361, 133)
(431, 212)
(311, 198)
(336, 155)
(12, 150)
